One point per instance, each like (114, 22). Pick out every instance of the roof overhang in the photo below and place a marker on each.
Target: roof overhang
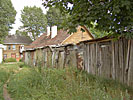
(15, 43)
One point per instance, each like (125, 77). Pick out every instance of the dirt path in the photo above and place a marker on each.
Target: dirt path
(6, 95)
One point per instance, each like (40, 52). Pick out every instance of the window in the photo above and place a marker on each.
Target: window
(14, 47)
(9, 47)
(5, 47)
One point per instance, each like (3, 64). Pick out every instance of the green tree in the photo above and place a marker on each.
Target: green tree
(7, 17)
(34, 21)
(55, 17)
(110, 15)
(98, 33)
(20, 32)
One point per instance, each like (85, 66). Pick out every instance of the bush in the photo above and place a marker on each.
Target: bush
(10, 60)
(20, 60)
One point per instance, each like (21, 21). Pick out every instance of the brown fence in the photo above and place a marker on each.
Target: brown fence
(106, 58)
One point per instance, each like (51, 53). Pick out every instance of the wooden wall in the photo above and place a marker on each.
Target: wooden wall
(108, 58)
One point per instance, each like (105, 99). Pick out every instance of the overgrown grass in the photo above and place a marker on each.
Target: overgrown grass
(6, 70)
(64, 84)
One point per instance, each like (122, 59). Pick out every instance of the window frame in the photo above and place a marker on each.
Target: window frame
(9, 46)
(13, 47)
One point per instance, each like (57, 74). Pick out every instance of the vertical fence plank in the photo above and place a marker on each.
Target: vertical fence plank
(110, 59)
(127, 61)
(130, 66)
(113, 61)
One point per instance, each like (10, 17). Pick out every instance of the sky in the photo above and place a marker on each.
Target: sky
(19, 5)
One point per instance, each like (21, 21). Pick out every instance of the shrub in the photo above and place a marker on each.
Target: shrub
(10, 60)
(20, 60)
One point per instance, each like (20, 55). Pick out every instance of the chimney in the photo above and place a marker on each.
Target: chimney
(54, 31)
(48, 31)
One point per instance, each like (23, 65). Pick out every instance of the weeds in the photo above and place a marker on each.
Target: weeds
(63, 84)
(6, 71)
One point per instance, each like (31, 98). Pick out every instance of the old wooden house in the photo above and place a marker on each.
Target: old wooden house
(53, 38)
(60, 37)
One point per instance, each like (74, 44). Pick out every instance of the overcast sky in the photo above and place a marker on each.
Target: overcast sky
(19, 5)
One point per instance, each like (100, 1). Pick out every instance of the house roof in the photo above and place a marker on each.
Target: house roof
(17, 39)
(45, 40)
(58, 39)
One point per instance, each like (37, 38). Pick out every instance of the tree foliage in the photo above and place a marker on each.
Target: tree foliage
(98, 33)
(34, 22)
(7, 17)
(55, 17)
(110, 15)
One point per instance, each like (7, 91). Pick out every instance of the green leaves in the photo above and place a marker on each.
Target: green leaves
(55, 17)
(111, 15)
(7, 17)
(34, 21)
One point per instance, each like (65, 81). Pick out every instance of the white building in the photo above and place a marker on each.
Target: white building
(1, 52)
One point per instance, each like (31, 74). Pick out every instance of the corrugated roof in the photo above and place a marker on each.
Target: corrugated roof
(17, 39)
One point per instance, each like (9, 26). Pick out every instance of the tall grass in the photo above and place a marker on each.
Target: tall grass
(64, 84)
(3, 78)
(6, 71)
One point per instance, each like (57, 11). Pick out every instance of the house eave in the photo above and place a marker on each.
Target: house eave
(14, 43)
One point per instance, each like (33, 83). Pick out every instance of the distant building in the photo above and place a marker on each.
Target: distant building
(1, 52)
(14, 46)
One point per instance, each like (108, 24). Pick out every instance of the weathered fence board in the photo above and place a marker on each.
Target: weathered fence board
(108, 58)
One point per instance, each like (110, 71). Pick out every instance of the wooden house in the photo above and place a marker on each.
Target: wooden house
(60, 37)
(78, 36)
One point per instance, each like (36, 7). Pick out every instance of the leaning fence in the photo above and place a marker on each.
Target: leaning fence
(103, 57)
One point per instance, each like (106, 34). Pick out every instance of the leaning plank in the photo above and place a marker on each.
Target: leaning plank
(127, 61)
(130, 67)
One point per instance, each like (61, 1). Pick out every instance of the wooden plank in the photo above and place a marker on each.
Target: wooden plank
(127, 61)
(113, 61)
(85, 58)
(45, 57)
(92, 71)
(106, 60)
(130, 66)
(88, 58)
(121, 60)
(125, 49)
(116, 61)
(98, 52)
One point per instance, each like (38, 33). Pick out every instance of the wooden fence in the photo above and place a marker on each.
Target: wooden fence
(106, 58)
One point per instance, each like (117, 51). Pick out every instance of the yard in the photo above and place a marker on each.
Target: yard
(58, 84)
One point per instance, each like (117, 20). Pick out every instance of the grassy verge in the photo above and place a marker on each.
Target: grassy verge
(64, 84)
(6, 70)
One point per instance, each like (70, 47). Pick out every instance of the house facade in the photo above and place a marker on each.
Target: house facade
(78, 36)
(14, 46)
